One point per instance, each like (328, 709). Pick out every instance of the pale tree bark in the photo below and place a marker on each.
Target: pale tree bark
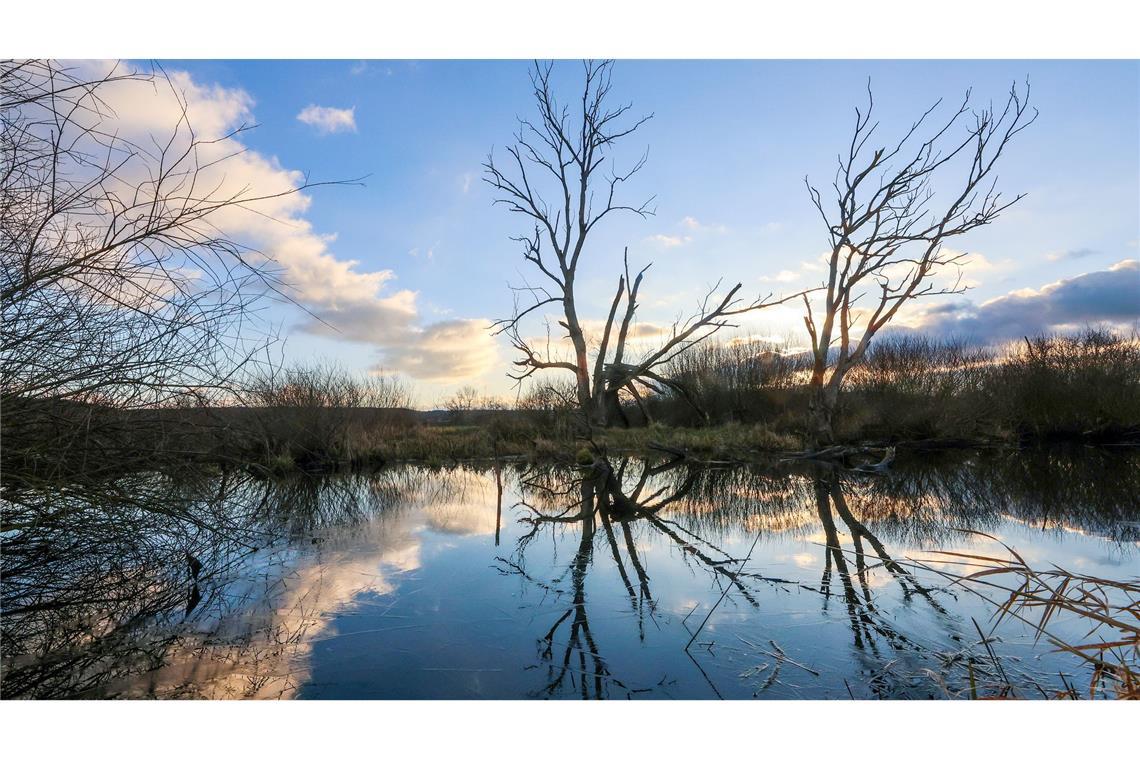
(561, 178)
(887, 231)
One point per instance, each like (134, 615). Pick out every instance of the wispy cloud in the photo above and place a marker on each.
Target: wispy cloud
(785, 275)
(328, 120)
(694, 224)
(1076, 253)
(343, 299)
(670, 241)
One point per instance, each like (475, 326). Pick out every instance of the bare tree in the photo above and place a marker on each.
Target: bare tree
(561, 176)
(887, 234)
(118, 287)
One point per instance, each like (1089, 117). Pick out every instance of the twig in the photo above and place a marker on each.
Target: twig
(722, 595)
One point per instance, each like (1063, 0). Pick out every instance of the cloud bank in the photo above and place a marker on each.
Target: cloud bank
(1107, 297)
(344, 300)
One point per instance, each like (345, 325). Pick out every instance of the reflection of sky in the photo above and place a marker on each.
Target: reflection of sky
(415, 602)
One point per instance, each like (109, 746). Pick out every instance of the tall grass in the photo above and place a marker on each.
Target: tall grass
(742, 381)
(1087, 383)
(914, 387)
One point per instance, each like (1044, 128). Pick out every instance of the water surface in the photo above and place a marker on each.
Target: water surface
(505, 581)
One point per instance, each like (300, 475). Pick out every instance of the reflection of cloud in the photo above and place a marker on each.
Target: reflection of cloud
(468, 508)
(261, 652)
(804, 559)
(261, 649)
(463, 518)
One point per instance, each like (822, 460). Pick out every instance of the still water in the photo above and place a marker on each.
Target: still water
(512, 581)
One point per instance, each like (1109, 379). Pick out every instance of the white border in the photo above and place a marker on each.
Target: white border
(529, 28)
(507, 729)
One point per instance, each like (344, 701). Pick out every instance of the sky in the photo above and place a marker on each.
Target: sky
(407, 269)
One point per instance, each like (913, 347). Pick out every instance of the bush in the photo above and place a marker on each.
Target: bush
(322, 416)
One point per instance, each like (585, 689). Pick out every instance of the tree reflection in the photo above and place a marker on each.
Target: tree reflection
(867, 624)
(696, 509)
(598, 496)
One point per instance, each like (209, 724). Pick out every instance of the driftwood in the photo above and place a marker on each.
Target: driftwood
(837, 454)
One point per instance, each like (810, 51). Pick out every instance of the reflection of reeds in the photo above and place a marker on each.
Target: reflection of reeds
(1041, 598)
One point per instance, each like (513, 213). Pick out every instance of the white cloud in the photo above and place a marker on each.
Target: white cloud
(329, 120)
(692, 223)
(1073, 253)
(349, 301)
(444, 352)
(974, 266)
(784, 275)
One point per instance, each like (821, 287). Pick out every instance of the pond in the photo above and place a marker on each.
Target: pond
(638, 580)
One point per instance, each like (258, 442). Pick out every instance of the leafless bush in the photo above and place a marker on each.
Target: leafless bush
(322, 414)
(1071, 384)
(118, 289)
(554, 407)
(743, 380)
(469, 399)
(910, 387)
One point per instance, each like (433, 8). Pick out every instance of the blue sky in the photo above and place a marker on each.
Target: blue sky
(729, 145)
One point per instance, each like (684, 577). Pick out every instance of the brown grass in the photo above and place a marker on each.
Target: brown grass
(1041, 598)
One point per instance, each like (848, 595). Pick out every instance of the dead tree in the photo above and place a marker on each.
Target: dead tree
(561, 177)
(887, 232)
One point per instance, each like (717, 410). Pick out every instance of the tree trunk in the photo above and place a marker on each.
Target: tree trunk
(821, 416)
(596, 412)
(614, 414)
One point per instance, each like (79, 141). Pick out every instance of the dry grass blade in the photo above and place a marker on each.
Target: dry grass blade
(1040, 598)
